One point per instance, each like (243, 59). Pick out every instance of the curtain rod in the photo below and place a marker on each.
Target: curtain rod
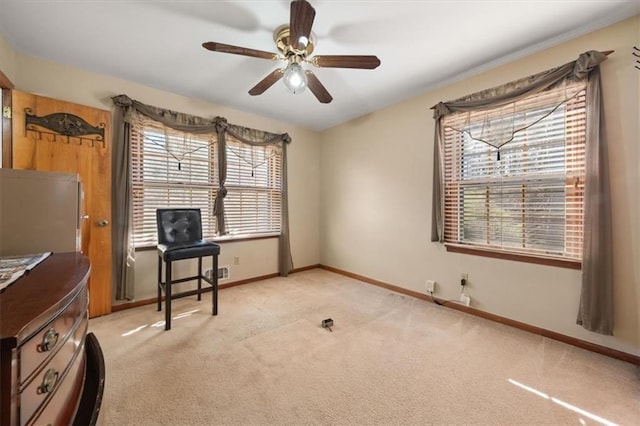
(606, 52)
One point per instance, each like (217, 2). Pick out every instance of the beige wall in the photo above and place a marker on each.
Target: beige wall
(376, 176)
(256, 258)
(7, 64)
(7, 67)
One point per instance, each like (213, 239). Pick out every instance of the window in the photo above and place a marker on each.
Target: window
(172, 168)
(254, 188)
(521, 193)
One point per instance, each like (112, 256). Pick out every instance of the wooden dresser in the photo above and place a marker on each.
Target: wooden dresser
(44, 358)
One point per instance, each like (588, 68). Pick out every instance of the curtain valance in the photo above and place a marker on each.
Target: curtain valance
(524, 87)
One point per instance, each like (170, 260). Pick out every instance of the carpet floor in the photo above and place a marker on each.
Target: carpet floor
(389, 359)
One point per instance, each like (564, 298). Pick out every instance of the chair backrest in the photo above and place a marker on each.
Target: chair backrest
(178, 225)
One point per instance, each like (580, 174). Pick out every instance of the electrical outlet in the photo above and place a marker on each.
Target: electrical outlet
(236, 260)
(431, 286)
(464, 279)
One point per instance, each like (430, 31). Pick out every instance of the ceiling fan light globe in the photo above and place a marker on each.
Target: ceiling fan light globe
(295, 78)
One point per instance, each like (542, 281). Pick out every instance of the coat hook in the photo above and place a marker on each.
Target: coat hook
(634, 53)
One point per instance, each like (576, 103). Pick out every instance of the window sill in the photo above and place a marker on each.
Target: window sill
(549, 261)
(219, 240)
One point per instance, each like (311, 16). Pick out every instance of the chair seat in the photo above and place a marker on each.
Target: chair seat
(177, 251)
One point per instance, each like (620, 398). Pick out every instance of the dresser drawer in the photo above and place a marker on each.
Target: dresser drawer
(62, 405)
(36, 350)
(54, 374)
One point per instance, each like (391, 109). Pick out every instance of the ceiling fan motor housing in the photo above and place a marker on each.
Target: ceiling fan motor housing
(281, 37)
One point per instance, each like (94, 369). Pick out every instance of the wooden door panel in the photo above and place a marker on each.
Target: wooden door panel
(41, 149)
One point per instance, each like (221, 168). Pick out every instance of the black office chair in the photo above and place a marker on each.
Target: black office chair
(180, 237)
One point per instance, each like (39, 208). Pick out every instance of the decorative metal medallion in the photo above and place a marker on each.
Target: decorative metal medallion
(64, 124)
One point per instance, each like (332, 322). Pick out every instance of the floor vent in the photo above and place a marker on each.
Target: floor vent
(223, 273)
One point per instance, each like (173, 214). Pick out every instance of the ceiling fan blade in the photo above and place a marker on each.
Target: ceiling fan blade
(317, 88)
(368, 62)
(267, 82)
(300, 23)
(227, 48)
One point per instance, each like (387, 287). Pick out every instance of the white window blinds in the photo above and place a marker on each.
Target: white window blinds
(170, 169)
(254, 188)
(176, 169)
(514, 175)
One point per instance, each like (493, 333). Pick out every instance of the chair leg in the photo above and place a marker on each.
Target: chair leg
(167, 297)
(159, 283)
(214, 290)
(199, 279)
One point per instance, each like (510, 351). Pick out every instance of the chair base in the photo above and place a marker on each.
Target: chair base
(165, 288)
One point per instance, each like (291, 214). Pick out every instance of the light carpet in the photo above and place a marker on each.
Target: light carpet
(390, 359)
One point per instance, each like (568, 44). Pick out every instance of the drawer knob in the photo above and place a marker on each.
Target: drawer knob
(48, 341)
(49, 381)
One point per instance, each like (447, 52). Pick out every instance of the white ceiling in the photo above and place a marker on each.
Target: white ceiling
(422, 44)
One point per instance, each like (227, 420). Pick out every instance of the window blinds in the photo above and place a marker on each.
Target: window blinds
(514, 175)
(254, 188)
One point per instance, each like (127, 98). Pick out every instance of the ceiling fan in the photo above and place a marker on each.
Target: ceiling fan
(295, 42)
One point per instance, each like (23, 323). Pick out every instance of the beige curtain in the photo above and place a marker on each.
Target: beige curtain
(123, 254)
(596, 300)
